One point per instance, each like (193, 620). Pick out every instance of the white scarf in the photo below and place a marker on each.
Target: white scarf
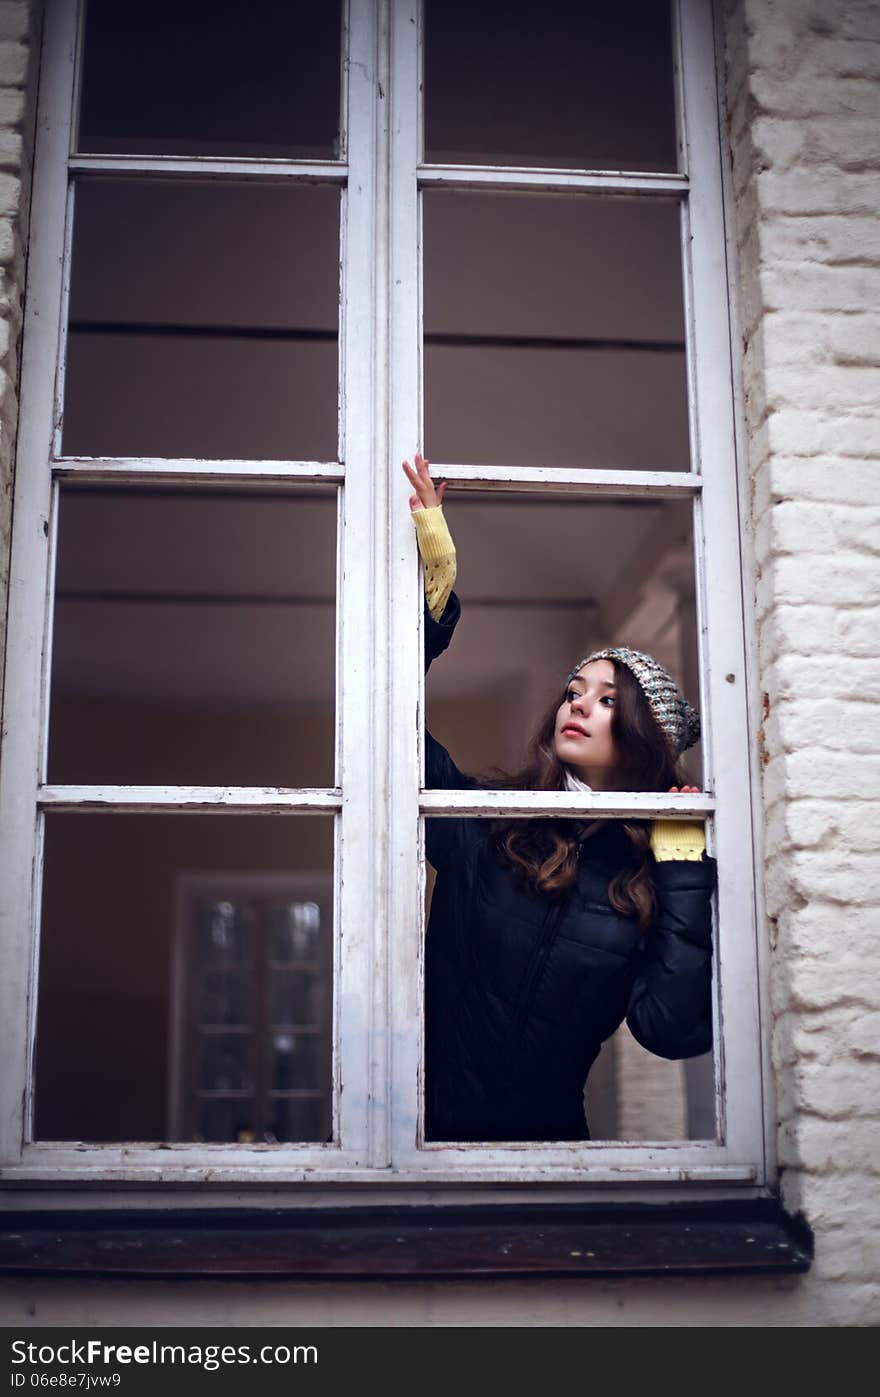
(574, 783)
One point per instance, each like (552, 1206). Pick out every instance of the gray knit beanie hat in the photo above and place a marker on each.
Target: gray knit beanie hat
(673, 713)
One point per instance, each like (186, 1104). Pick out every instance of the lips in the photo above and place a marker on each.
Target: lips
(574, 728)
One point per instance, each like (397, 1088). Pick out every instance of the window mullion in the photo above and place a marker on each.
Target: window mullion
(133, 470)
(405, 878)
(724, 673)
(539, 181)
(557, 804)
(132, 166)
(204, 799)
(26, 650)
(573, 480)
(359, 970)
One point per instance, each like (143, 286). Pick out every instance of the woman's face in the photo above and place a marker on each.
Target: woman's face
(582, 739)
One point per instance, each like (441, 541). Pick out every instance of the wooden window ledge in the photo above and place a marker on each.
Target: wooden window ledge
(385, 1242)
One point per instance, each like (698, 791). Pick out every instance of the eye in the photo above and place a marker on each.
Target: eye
(607, 698)
(570, 694)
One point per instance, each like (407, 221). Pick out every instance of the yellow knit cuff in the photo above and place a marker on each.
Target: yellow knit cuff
(439, 582)
(433, 536)
(677, 839)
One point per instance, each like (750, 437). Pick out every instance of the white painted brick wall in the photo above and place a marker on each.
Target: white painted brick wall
(17, 18)
(804, 91)
(803, 79)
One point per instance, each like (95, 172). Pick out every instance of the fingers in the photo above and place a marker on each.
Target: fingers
(684, 790)
(427, 494)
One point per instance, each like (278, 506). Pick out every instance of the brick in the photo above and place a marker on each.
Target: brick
(824, 1146)
(796, 432)
(812, 772)
(799, 340)
(817, 191)
(817, 984)
(778, 141)
(822, 238)
(844, 57)
(857, 528)
(800, 286)
(12, 106)
(829, 723)
(858, 1252)
(797, 526)
(831, 387)
(7, 240)
(848, 579)
(14, 19)
(855, 339)
(10, 195)
(814, 97)
(830, 480)
(850, 142)
(864, 1037)
(10, 150)
(817, 928)
(839, 1089)
(838, 875)
(13, 63)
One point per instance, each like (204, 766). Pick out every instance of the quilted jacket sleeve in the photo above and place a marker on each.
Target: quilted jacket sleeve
(442, 836)
(670, 1008)
(439, 633)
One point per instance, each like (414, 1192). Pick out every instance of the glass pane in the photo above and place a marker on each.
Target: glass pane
(194, 638)
(203, 321)
(544, 581)
(300, 1118)
(225, 1062)
(223, 1122)
(297, 998)
(527, 1031)
(565, 84)
(208, 77)
(227, 997)
(296, 930)
(135, 1035)
(554, 332)
(298, 1060)
(226, 933)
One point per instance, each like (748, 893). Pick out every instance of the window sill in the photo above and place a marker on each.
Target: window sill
(411, 1242)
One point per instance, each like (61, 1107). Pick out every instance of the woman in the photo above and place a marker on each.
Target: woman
(545, 935)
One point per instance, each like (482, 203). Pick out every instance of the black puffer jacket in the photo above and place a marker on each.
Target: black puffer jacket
(521, 989)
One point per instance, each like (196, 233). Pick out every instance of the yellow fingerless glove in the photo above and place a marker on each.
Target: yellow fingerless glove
(438, 557)
(677, 839)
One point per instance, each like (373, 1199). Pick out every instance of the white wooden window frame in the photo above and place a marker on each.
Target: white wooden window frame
(377, 804)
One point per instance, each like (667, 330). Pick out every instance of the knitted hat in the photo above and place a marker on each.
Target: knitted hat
(673, 713)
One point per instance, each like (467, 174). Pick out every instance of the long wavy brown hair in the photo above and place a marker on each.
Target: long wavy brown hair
(545, 852)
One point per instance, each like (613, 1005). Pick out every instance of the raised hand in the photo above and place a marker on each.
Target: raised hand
(427, 495)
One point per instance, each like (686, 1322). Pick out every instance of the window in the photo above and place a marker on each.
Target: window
(242, 313)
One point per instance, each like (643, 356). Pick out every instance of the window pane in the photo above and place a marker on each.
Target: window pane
(528, 992)
(203, 321)
(554, 332)
(543, 582)
(158, 990)
(512, 82)
(194, 638)
(208, 77)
